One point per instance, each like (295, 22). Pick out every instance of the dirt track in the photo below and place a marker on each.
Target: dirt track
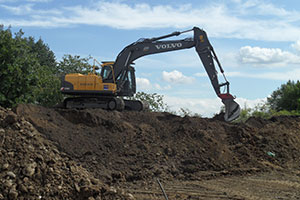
(195, 158)
(267, 186)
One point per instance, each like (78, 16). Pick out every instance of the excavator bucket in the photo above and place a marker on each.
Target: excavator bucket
(232, 109)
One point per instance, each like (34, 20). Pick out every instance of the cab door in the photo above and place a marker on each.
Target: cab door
(129, 84)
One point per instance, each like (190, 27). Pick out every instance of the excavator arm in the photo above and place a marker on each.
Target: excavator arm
(156, 45)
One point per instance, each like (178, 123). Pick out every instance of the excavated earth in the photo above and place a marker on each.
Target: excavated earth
(48, 153)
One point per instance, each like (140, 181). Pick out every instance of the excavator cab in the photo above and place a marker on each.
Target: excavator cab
(128, 85)
(107, 71)
(125, 82)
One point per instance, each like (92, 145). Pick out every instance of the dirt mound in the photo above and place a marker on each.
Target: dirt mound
(129, 147)
(31, 167)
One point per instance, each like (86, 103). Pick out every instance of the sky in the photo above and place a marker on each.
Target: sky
(256, 41)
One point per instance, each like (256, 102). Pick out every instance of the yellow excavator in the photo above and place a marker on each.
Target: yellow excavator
(117, 79)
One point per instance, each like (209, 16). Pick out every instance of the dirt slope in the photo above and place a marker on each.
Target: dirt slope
(85, 154)
(129, 147)
(31, 167)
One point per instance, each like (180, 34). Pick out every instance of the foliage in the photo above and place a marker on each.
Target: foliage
(74, 64)
(244, 114)
(187, 112)
(156, 104)
(42, 52)
(285, 112)
(283, 101)
(47, 90)
(262, 111)
(155, 101)
(17, 65)
(287, 97)
(27, 71)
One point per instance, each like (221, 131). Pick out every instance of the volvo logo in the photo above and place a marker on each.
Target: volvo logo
(169, 46)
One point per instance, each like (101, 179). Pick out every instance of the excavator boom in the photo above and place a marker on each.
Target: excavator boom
(204, 49)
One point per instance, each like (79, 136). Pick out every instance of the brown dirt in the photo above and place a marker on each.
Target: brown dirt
(31, 167)
(202, 156)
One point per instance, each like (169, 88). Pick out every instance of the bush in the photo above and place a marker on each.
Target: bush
(287, 97)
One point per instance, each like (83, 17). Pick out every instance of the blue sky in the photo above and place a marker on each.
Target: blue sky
(257, 42)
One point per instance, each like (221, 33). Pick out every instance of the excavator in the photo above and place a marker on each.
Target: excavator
(117, 79)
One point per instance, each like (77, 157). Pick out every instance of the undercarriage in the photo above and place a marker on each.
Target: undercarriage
(105, 102)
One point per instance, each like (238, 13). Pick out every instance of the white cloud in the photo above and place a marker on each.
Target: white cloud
(176, 77)
(201, 74)
(159, 87)
(293, 74)
(247, 103)
(39, 1)
(296, 45)
(262, 8)
(143, 84)
(270, 9)
(283, 76)
(19, 10)
(218, 19)
(206, 107)
(267, 56)
(28, 9)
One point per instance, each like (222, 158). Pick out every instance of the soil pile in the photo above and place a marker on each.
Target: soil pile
(31, 167)
(130, 147)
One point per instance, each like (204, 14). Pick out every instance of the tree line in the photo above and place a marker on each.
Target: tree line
(30, 73)
(285, 100)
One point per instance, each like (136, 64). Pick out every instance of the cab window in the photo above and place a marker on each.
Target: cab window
(129, 79)
(105, 72)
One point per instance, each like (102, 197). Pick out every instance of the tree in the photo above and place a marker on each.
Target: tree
(48, 87)
(28, 72)
(47, 90)
(74, 64)
(155, 101)
(287, 97)
(17, 65)
(43, 53)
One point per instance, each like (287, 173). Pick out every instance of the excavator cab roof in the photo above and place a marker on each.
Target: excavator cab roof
(105, 63)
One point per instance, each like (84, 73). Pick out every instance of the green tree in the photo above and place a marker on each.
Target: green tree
(28, 72)
(43, 53)
(74, 64)
(47, 90)
(17, 65)
(155, 101)
(287, 97)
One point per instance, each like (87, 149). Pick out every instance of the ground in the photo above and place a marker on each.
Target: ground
(120, 155)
